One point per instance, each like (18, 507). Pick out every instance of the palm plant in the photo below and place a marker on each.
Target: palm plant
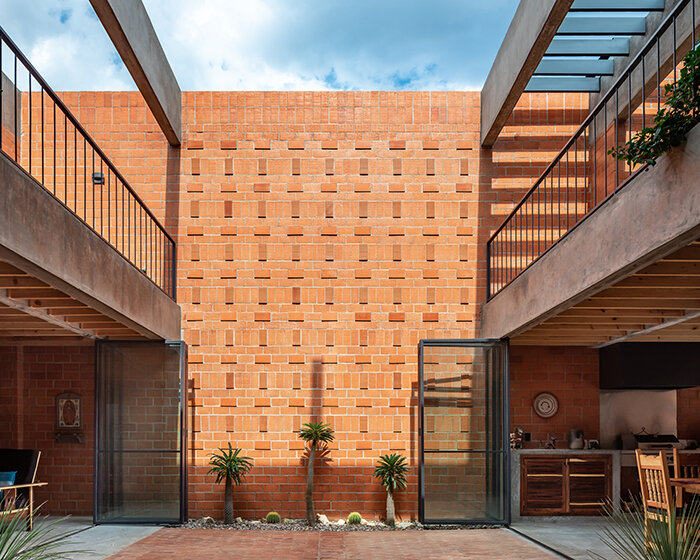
(229, 466)
(672, 539)
(315, 434)
(391, 471)
(41, 543)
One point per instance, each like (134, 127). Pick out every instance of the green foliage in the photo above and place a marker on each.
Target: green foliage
(623, 533)
(229, 465)
(354, 518)
(675, 119)
(41, 543)
(273, 517)
(391, 471)
(316, 432)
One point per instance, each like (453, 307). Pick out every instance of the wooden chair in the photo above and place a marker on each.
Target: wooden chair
(655, 482)
(18, 499)
(685, 465)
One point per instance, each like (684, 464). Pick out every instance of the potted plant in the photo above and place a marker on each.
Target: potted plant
(316, 435)
(391, 471)
(229, 466)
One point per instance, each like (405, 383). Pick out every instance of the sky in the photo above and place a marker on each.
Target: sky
(274, 44)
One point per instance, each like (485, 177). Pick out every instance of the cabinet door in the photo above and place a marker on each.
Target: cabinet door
(542, 485)
(589, 484)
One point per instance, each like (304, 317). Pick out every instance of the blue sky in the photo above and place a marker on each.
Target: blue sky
(274, 44)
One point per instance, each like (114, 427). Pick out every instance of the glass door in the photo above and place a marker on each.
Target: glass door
(140, 431)
(464, 446)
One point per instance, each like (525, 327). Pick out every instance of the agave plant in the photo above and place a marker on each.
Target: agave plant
(316, 435)
(391, 471)
(41, 543)
(627, 537)
(229, 466)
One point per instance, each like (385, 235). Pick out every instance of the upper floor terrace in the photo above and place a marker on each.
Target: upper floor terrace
(591, 220)
(83, 256)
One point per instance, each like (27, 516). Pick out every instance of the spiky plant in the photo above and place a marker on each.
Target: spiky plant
(315, 434)
(624, 534)
(229, 466)
(391, 471)
(41, 543)
(273, 517)
(354, 518)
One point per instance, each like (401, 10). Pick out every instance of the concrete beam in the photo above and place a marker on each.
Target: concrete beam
(656, 214)
(533, 27)
(130, 29)
(42, 237)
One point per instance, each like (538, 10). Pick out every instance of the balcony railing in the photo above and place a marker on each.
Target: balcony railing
(42, 136)
(583, 175)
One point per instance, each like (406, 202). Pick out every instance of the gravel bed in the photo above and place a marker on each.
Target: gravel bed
(336, 526)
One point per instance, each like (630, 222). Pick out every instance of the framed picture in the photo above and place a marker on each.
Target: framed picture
(69, 418)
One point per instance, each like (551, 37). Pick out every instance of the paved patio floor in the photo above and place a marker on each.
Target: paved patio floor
(492, 544)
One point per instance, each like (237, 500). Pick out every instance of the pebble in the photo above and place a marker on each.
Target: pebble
(301, 525)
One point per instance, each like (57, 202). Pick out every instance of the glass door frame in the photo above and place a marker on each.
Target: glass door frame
(505, 436)
(184, 500)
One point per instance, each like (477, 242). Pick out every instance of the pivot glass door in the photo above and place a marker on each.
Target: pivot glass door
(464, 446)
(140, 431)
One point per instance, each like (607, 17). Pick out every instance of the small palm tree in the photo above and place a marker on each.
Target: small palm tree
(391, 471)
(229, 466)
(314, 433)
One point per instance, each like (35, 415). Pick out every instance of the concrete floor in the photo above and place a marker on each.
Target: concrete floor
(98, 542)
(574, 537)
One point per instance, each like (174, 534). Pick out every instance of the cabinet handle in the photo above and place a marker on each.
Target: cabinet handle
(575, 460)
(540, 475)
(586, 475)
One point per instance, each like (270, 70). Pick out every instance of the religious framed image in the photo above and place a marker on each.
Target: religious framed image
(69, 419)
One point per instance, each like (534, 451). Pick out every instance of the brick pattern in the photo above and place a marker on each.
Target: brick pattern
(571, 374)
(28, 413)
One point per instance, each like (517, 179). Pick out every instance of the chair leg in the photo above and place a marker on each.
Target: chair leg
(30, 517)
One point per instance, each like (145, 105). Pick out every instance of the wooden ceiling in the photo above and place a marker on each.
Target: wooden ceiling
(32, 312)
(660, 303)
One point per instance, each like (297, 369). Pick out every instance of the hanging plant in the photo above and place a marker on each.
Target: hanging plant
(680, 113)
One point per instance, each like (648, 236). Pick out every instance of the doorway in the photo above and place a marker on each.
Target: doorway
(464, 445)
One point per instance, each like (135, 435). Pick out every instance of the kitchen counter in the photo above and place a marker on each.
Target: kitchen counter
(515, 471)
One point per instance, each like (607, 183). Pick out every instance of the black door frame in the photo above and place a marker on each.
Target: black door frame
(183, 436)
(505, 436)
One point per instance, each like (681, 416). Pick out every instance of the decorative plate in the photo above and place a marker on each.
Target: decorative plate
(546, 405)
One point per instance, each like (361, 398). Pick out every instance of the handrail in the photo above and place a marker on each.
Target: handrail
(600, 111)
(148, 264)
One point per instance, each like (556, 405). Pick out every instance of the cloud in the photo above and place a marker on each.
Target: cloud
(274, 44)
(64, 40)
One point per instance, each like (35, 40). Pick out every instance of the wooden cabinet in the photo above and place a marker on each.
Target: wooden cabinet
(564, 484)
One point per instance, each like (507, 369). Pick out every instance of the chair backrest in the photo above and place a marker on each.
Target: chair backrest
(23, 461)
(655, 481)
(686, 465)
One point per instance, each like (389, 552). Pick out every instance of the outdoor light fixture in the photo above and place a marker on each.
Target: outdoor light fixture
(98, 178)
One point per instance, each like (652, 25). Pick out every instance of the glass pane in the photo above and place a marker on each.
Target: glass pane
(464, 486)
(139, 487)
(139, 439)
(464, 445)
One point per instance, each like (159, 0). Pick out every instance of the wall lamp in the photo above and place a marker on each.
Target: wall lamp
(98, 178)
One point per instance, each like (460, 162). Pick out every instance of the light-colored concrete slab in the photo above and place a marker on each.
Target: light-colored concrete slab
(574, 537)
(102, 541)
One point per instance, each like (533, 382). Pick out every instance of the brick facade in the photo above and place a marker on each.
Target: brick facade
(320, 237)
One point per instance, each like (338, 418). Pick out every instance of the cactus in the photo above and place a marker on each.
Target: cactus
(272, 517)
(354, 518)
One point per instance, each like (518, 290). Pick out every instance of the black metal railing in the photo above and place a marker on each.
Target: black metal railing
(583, 175)
(41, 135)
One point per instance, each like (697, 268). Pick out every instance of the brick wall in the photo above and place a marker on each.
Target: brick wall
(320, 237)
(44, 373)
(571, 374)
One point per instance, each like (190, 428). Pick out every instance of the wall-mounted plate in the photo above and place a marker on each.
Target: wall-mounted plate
(546, 405)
